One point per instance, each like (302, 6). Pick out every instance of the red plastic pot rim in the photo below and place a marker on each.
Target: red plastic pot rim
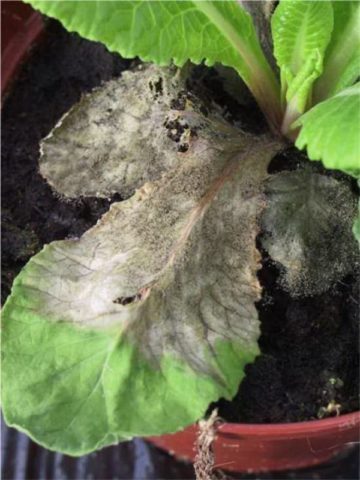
(269, 447)
(342, 422)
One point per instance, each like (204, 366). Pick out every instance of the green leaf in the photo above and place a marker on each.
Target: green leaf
(331, 131)
(136, 327)
(342, 59)
(173, 31)
(301, 32)
(307, 228)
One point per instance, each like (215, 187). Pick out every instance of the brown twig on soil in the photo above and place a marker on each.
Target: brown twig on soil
(204, 464)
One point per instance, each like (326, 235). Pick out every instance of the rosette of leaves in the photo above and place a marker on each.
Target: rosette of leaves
(136, 327)
(316, 45)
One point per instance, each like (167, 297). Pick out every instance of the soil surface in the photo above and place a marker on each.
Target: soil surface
(309, 366)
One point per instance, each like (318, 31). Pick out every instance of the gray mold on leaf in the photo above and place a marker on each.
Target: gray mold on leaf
(175, 265)
(118, 136)
(307, 229)
(150, 315)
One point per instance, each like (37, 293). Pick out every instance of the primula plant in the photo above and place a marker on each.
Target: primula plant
(136, 327)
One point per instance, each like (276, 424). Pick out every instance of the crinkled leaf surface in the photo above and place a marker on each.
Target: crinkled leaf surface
(307, 224)
(170, 31)
(330, 131)
(342, 59)
(137, 326)
(301, 32)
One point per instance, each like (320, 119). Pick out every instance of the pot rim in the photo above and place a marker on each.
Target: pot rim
(305, 428)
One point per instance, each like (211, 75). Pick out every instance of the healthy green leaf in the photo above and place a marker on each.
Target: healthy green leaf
(342, 59)
(307, 229)
(301, 32)
(172, 31)
(331, 131)
(137, 326)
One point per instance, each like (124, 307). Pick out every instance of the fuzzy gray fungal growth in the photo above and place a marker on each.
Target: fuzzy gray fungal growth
(174, 266)
(308, 229)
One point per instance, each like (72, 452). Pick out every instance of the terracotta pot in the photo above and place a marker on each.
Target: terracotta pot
(238, 447)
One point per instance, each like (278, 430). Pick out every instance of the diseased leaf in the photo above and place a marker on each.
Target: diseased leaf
(118, 136)
(301, 32)
(137, 326)
(170, 31)
(307, 226)
(342, 59)
(330, 131)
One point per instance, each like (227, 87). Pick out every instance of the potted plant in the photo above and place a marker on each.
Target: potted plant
(168, 251)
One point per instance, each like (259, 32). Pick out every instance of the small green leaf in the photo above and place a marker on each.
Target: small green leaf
(331, 131)
(301, 32)
(171, 31)
(342, 58)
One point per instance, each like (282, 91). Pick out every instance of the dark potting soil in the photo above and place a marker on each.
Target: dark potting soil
(309, 363)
